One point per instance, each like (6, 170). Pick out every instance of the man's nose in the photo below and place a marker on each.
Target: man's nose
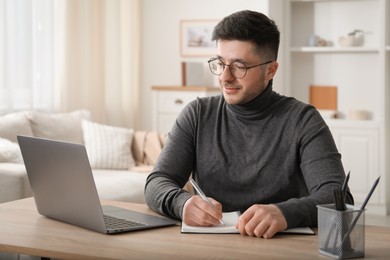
(227, 74)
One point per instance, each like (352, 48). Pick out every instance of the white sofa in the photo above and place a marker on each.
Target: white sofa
(120, 158)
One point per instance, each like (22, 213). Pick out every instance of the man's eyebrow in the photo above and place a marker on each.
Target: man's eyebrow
(239, 60)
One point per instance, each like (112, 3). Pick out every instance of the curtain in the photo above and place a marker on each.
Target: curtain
(101, 60)
(65, 55)
(26, 55)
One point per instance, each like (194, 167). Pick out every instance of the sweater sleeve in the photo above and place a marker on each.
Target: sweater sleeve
(321, 167)
(164, 191)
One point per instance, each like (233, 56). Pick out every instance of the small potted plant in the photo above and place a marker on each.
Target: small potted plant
(354, 38)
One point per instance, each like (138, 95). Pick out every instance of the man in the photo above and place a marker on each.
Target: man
(250, 149)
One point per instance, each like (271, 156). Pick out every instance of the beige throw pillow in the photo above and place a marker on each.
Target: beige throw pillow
(15, 124)
(59, 126)
(10, 152)
(108, 147)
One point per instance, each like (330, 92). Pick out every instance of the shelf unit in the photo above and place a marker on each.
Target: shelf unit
(334, 49)
(170, 100)
(361, 75)
(386, 72)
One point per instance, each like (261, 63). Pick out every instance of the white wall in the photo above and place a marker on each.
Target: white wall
(160, 43)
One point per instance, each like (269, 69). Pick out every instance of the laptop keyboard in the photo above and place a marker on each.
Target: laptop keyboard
(118, 223)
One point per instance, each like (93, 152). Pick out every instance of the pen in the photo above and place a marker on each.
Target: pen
(344, 187)
(202, 195)
(345, 183)
(339, 199)
(340, 194)
(361, 208)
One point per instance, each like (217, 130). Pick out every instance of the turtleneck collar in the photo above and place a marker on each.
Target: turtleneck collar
(255, 106)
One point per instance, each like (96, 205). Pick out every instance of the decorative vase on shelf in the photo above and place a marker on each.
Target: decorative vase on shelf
(353, 39)
(316, 41)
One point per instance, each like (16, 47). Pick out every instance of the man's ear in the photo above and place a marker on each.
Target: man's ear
(271, 70)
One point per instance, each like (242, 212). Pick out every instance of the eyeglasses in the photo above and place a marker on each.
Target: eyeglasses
(237, 68)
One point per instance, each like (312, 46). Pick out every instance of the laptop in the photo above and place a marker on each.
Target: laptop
(62, 183)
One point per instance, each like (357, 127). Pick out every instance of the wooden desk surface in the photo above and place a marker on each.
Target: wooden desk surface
(23, 230)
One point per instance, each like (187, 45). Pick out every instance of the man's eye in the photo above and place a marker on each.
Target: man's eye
(219, 63)
(239, 65)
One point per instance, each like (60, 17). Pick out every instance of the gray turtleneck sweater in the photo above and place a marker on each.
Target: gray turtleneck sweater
(272, 150)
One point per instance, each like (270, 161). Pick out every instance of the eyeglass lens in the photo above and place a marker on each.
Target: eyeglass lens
(238, 69)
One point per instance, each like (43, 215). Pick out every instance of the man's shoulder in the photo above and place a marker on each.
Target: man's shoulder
(202, 104)
(210, 99)
(294, 109)
(292, 103)
(206, 102)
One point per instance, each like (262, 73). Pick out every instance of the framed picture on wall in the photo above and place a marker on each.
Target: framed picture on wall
(195, 38)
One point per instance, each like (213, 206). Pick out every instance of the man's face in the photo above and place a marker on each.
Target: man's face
(241, 91)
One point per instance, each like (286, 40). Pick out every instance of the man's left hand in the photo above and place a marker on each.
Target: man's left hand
(261, 221)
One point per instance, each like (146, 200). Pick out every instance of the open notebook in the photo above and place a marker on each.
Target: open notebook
(229, 227)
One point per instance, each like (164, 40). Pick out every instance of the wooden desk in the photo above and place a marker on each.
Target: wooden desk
(23, 230)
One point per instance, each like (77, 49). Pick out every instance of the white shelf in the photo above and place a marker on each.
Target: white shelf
(361, 142)
(335, 49)
(298, 1)
(360, 124)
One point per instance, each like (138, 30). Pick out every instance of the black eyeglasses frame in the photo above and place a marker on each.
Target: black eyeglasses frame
(224, 65)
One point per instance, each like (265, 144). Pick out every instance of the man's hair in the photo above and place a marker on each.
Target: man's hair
(250, 26)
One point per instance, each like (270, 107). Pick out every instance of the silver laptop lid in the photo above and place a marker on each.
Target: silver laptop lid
(62, 182)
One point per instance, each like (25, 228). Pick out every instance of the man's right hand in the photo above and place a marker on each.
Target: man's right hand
(197, 212)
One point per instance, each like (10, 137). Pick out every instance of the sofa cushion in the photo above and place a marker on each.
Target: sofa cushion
(142, 168)
(108, 147)
(153, 147)
(147, 147)
(10, 151)
(14, 183)
(59, 126)
(120, 185)
(15, 124)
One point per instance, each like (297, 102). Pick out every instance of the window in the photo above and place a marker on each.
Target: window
(26, 55)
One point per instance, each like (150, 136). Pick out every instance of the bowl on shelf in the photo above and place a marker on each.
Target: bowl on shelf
(353, 39)
(359, 114)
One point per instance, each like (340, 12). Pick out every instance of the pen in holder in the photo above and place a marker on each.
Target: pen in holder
(344, 226)
(333, 225)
